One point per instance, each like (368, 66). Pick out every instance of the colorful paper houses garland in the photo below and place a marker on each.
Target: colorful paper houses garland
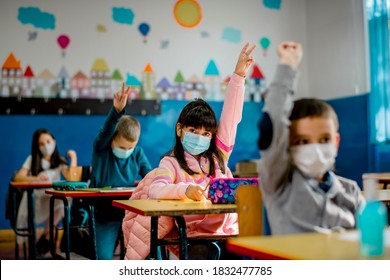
(101, 84)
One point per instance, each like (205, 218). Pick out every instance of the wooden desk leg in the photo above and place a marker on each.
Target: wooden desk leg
(32, 248)
(183, 248)
(153, 237)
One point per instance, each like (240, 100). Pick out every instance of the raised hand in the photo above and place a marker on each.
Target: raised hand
(245, 60)
(72, 157)
(120, 98)
(290, 53)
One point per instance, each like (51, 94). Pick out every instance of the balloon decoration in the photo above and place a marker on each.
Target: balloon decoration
(144, 29)
(264, 43)
(63, 41)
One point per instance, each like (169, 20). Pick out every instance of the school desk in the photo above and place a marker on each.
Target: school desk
(175, 209)
(382, 178)
(383, 195)
(305, 246)
(89, 196)
(31, 227)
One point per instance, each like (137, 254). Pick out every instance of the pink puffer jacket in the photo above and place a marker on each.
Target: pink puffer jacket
(136, 228)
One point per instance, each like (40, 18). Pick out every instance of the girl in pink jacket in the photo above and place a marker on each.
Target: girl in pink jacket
(201, 152)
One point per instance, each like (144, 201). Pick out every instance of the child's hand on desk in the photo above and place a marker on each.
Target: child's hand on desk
(120, 98)
(195, 192)
(42, 177)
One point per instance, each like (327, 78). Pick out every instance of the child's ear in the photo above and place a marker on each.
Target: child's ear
(178, 130)
(337, 140)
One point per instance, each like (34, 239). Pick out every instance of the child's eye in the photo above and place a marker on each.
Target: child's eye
(325, 140)
(193, 130)
(207, 134)
(301, 142)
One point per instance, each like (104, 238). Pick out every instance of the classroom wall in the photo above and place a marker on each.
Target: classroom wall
(188, 51)
(336, 53)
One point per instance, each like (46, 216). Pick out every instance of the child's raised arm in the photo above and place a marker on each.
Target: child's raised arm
(72, 156)
(233, 103)
(106, 132)
(120, 98)
(274, 126)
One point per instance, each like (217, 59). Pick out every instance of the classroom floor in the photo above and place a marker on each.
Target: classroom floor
(7, 246)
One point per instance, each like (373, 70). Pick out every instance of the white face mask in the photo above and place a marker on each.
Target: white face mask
(313, 160)
(48, 149)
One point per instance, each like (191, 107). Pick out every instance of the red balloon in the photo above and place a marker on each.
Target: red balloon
(63, 41)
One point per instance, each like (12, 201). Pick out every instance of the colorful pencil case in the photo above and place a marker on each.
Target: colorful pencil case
(223, 190)
(69, 186)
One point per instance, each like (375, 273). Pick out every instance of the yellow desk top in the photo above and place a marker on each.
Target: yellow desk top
(307, 246)
(173, 207)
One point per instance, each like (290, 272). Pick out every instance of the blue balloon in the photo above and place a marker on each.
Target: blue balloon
(144, 28)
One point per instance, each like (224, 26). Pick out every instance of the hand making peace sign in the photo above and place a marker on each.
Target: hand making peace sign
(245, 60)
(120, 98)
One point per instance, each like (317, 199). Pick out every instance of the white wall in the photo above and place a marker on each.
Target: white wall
(330, 32)
(336, 48)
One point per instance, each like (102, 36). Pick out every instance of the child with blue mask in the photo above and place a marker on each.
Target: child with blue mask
(201, 151)
(298, 145)
(117, 161)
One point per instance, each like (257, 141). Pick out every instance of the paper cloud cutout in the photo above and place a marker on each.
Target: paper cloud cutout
(272, 4)
(231, 34)
(122, 15)
(34, 16)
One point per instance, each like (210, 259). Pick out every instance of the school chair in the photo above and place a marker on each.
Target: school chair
(79, 215)
(83, 174)
(252, 217)
(79, 173)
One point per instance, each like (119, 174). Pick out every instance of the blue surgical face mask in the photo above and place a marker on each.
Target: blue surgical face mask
(122, 153)
(195, 144)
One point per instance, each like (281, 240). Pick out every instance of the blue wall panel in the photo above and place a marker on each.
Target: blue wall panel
(353, 156)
